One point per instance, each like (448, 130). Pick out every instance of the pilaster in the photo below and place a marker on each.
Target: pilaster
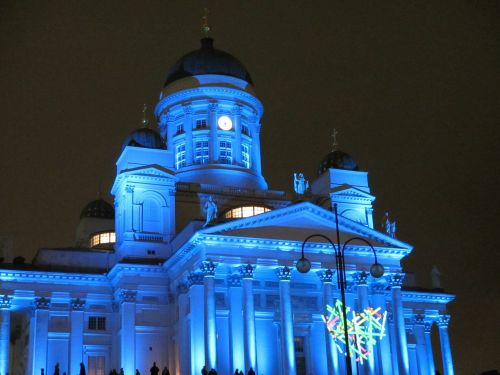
(208, 271)
(5, 306)
(188, 130)
(77, 306)
(237, 339)
(127, 332)
(236, 112)
(41, 320)
(213, 150)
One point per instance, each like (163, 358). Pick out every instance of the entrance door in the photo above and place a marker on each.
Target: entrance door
(300, 358)
(96, 365)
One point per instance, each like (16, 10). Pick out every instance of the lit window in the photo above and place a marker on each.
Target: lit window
(245, 211)
(225, 152)
(245, 155)
(97, 323)
(179, 129)
(103, 238)
(244, 130)
(201, 124)
(180, 156)
(201, 152)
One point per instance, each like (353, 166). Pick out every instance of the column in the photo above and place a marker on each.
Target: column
(396, 281)
(444, 340)
(5, 305)
(383, 363)
(213, 149)
(428, 346)
(41, 334)
(76, 338)
(256, 162)
(127, 333)
(286, 319)
(236, 337)
(361, 278)
(419, 331)
(332, 358)
(188, 130)
(350, 301)
(196, 322)
(249, 318)
(208, 271)
(236, 112)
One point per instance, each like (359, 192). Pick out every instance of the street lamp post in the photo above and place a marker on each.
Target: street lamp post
(376, 270)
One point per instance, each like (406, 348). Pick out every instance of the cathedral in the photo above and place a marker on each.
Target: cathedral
(196, 263)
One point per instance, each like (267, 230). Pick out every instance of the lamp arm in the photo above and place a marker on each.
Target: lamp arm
(318, 235)
(362, 240)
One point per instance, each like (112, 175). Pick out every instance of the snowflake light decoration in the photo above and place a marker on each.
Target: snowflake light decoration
(363, 329)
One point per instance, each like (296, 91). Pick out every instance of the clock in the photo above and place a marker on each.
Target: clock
(225, 123)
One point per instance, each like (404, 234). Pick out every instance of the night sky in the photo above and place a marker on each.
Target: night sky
(412, 87)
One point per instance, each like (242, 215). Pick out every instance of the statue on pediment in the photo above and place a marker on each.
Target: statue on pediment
(436, 277)
(300, 184)
(210, 211)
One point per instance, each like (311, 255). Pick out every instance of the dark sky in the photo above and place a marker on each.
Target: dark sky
(412, 87)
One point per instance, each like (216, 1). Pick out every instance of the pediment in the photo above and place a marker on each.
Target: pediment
(296, 222)
(149, 170)
(350, 192)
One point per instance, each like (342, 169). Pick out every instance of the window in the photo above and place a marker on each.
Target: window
(97, 323)
(179, 129)
(245, 155)
(244, 130)
(201, 124)
(225, 152)
(103, 238)
(201, 152)
(180, 156)
(245, 211)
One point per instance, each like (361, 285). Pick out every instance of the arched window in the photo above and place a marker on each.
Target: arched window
(151, 216)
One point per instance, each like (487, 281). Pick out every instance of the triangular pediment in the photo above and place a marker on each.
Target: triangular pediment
(149, 170)
(349, 191)
(296, 222)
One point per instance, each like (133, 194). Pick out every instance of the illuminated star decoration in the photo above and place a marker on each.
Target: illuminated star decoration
(363, 329)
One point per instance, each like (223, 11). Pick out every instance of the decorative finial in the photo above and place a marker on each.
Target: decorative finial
(145, 121)
(334, 137)
(204, 23)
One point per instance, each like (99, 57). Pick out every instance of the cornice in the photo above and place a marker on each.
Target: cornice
(47, 276)
(442, 298)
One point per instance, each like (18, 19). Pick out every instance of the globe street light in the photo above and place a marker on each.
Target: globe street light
(376, 270)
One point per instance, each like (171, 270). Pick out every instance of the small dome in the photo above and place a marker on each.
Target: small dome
(338, 160)
(207, 60)
(98, 209)
(144, 137)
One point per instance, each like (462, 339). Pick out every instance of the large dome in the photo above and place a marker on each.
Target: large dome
(208, 60)
(144, 137)
(338, 160)
(98, 209)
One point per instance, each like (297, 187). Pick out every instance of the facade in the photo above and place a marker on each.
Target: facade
(195, 264)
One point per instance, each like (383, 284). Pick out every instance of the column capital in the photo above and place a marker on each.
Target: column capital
(187, 108)
(326, 276)
(233, 280)
(77, 304)
(419, 319)
(5, 302)
(42, 303)
(236, 110)
(283, 273)
(396, 280)
(360, 278)
(127, 295)
(246, 271)
(212, 107)
(427, 327)
(208, 268)
(195, 278)
(443, 321)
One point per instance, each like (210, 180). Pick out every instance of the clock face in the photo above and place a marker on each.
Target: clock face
(225, 123)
